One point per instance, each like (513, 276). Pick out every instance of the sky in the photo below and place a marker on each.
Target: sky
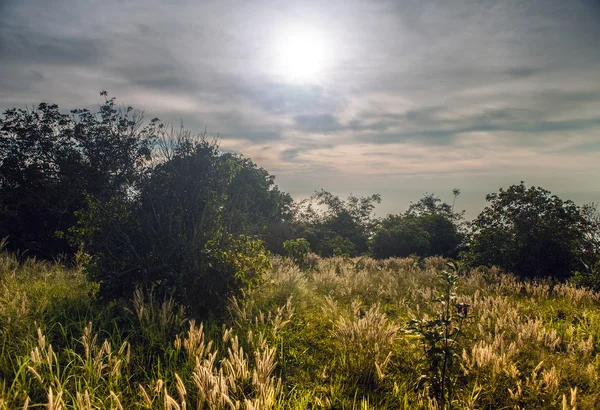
(398, 97)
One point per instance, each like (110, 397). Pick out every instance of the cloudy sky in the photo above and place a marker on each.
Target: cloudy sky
(396, 97)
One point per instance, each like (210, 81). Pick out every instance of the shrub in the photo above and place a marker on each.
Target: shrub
(172, 235)
(588, 279)
(439, 337)
(297, 250)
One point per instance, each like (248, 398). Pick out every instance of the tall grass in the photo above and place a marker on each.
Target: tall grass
(333, 336)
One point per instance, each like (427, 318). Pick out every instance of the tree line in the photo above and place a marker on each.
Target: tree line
(147, 204)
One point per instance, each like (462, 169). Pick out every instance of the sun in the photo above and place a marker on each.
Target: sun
(301, 54)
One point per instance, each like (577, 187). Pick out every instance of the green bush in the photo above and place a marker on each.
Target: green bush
(399, 236)
(174, 235)
(429, 227)
(589, 279)
(297, 250)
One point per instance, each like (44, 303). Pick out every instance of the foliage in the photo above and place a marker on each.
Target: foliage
(433, 205)
(50, 161)
(173, 234)
(440, 335)
(297, 250)
(445, 237)
(427, 228)
(399, 236)
(588, 279)
(334, 226)
(254, 203)
(529, 232)
(591, 250)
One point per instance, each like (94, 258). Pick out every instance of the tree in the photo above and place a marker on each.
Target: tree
(589, 275)
(428, 227)
(433, 205)
(591, 216)
(334, 226)
(399, 236)
(529, 232)
(50, 161)
(180, 232)
(255, 206)
(444, 235)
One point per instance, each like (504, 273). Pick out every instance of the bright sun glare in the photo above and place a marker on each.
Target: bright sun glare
(301, 55)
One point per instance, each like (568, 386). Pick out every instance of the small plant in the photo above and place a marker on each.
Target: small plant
(297, 250)
(439, 336)
(589, 279)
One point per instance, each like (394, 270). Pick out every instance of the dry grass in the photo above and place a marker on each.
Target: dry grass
(331, 337)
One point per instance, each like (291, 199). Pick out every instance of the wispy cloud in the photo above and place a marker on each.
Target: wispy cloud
(418, 95)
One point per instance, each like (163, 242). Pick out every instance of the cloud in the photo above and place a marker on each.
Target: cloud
(318, 123)
(412, 93)
(289, 154)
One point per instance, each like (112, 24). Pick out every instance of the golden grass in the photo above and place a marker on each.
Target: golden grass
(330, 337)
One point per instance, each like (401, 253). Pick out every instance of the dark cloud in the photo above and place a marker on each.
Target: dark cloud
(290, 154)
(237, 125)
(523, 72)
(279, 98)
(585, 147)
(23, 46)
(319, 123)
(520, 72)
(158, 75)
(428, 126)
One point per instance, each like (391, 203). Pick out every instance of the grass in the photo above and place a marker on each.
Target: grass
(333, 337)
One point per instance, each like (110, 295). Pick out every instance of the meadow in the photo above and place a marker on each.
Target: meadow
(336, 333)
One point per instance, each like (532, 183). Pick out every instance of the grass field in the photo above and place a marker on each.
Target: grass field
(342, 334)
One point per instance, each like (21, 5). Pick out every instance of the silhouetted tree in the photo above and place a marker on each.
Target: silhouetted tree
(428, 227)
(334, 226)
(50, 161)
(433, 205)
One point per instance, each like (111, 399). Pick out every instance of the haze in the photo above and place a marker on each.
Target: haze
(395, 97)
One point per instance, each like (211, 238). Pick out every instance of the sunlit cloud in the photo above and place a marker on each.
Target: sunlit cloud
(343, 95)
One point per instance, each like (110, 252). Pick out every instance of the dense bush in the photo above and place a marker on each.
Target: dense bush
(399, 236)
(429, 227)
(297, 250)
(589, 278)
(178, 231)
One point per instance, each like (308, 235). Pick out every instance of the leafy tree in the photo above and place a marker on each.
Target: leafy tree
(589, 274)
(529, 232)
(50, 161)
(433, 205)
(297, 250)
(334, 226)
(591, 253)
(255, 206)
(428, 227)
(444, 235)
(399, 236)
(177, 232)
